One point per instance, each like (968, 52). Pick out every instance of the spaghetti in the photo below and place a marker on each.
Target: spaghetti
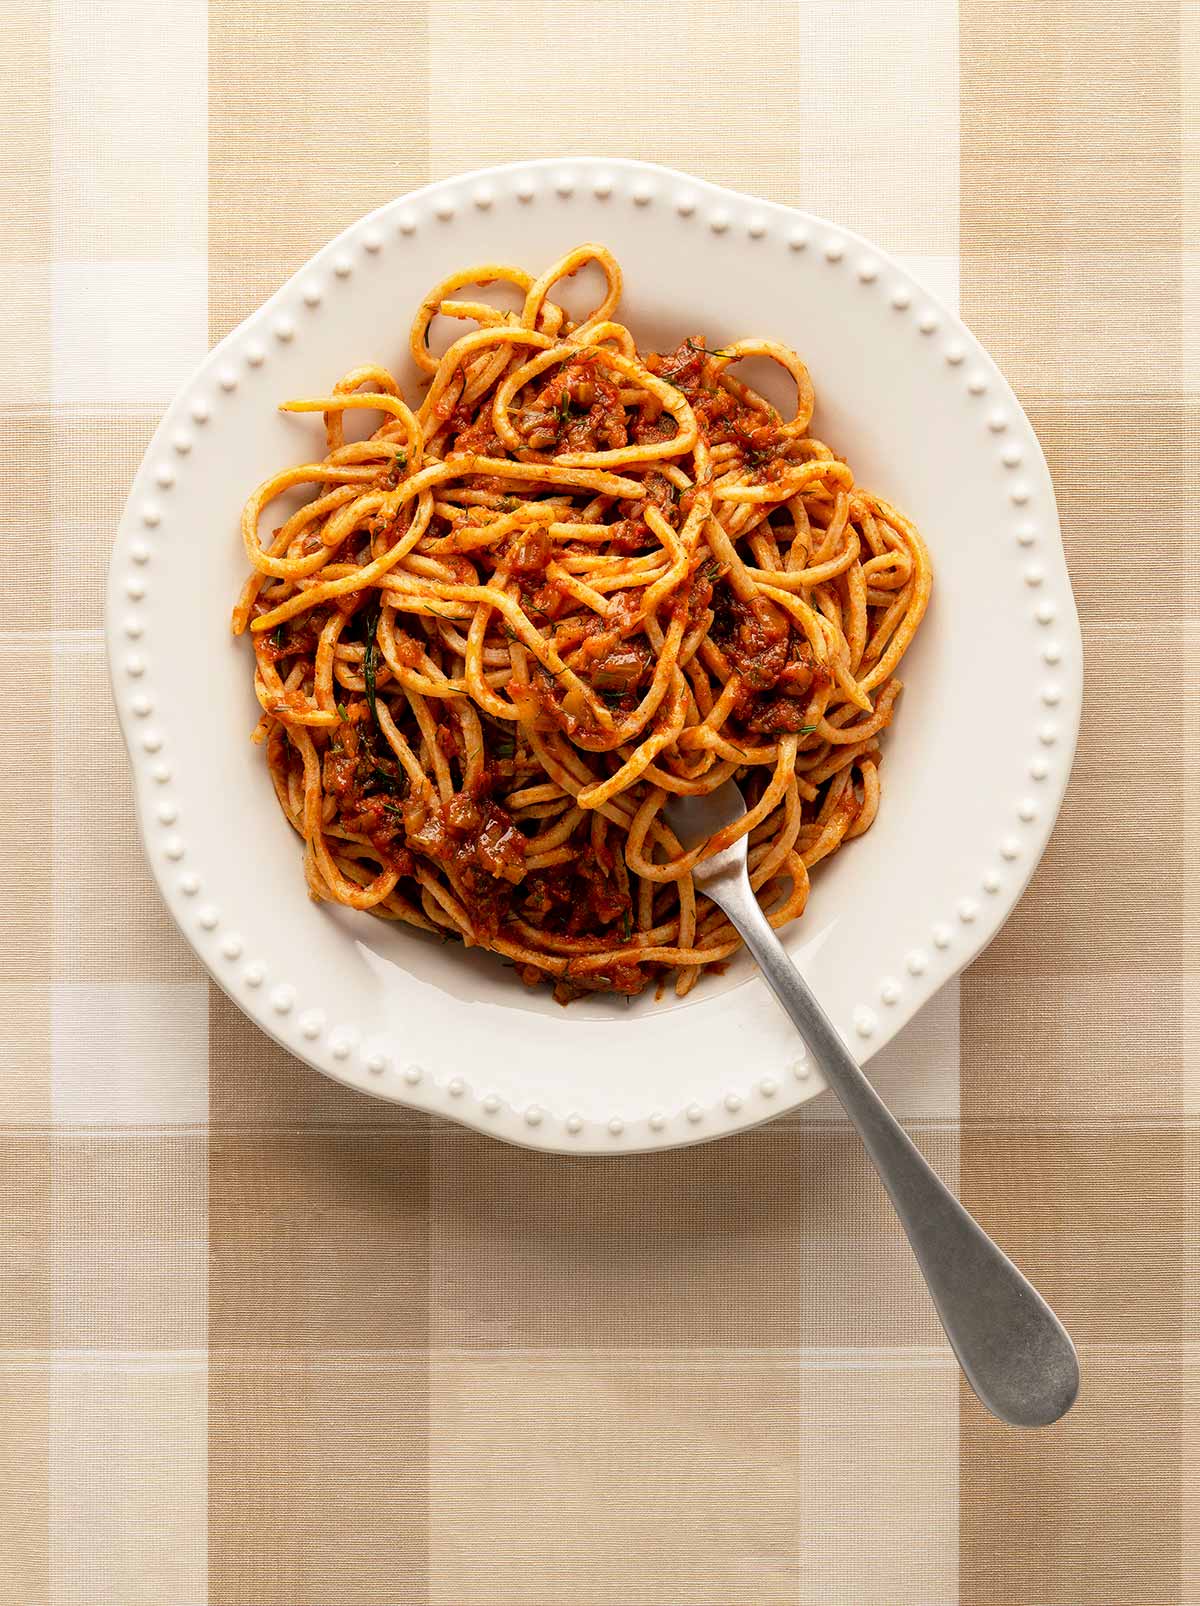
(575, 580)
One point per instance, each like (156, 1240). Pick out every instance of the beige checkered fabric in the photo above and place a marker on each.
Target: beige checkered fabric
(265, 1343)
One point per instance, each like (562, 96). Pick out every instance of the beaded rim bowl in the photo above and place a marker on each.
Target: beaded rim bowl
(975, 765)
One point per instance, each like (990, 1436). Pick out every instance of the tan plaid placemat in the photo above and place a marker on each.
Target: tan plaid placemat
(264, 1343)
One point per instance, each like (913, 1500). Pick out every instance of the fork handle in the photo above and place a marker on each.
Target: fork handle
(1015, 1352)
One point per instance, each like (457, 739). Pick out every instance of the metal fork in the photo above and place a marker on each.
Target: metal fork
(1015, 1352)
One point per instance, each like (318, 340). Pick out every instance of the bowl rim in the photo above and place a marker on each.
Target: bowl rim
(529, 1126)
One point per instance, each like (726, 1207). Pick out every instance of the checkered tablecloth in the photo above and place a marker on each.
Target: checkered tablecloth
(267, 1343)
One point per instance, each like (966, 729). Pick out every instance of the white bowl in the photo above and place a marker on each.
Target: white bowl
(975, 764)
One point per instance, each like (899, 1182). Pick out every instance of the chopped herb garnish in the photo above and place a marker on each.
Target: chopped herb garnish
(401, 459)
(626, 925)
(341, 711)
(370, 655)
(706, 351)
(505, 747)
(392, 808)
(564, 408)
(806, 730)
(279, 633)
